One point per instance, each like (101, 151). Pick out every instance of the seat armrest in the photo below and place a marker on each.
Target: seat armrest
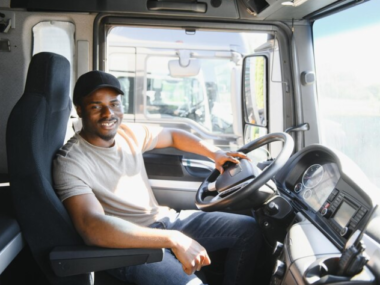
(11, 240)
(73, 260)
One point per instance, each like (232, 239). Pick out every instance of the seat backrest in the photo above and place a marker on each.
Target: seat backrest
(35, 131)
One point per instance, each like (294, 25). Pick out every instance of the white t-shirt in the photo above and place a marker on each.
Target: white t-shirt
(115, 175)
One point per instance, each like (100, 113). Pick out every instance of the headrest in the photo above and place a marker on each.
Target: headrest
(49, 77)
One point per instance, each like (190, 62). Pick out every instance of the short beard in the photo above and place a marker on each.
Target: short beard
(107, 137)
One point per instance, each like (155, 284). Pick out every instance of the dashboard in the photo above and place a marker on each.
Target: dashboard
(316, 186)
(335, 203)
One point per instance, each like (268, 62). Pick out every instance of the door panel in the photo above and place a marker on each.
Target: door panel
(175, 176)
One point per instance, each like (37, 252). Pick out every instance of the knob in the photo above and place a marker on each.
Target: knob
(272, 208)
(326, 212)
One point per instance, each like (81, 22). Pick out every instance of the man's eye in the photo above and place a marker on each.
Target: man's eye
(95, 107)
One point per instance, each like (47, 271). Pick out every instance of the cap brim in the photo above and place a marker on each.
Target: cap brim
(107, 86)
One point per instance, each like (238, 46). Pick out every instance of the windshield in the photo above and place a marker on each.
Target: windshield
(176, 74)
(347, 62)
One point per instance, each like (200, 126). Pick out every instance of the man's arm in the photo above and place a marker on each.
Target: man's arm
(98, 229)
(186, 141)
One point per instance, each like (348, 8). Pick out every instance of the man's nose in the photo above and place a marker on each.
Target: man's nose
(107, 111)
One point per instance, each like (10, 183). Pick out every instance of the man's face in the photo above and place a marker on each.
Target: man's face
(101, 114)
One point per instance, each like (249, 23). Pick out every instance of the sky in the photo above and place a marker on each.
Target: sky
(351, 42)
(364, 14)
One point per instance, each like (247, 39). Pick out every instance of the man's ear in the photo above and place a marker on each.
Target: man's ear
(79, 111)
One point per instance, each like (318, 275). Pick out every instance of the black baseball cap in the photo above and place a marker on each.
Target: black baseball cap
(92, 81)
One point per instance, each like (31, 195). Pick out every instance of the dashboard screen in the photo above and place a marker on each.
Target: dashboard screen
(319, 190)
(344, 214)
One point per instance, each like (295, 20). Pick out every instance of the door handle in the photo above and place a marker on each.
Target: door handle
(198, 163)
(177, 6)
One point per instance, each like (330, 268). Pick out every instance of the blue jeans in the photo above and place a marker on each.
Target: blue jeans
(215, 230)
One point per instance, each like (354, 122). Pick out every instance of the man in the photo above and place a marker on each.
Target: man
(101, 179)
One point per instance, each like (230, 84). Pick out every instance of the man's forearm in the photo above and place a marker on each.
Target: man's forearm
(98, 229)
(109, 231)
(188, 142)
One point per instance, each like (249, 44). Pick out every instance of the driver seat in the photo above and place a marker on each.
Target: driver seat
(36, 130)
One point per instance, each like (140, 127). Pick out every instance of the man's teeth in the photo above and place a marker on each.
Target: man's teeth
(108, 124)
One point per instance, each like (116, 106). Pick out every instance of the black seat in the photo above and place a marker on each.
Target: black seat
(35, 131)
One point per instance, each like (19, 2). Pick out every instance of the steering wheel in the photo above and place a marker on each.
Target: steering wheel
(240, 184)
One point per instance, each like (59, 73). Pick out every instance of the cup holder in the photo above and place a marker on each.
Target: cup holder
(325, 271)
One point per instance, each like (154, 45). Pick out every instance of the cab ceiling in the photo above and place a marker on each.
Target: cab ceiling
(270, 10)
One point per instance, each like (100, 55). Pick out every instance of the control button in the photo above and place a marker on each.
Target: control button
(344, 231)
(279, 269)
(272, 208)
(332, 195)
(363, 211)
(355, 219)
(298, 187)
(278, 248)
(359, 215)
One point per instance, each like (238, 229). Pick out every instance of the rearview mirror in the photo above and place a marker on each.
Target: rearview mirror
(191, 69)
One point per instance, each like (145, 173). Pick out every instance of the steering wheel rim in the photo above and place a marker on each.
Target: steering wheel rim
(250, 193)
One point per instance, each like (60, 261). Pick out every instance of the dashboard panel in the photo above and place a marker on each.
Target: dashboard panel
(333, 203)
(316, 186)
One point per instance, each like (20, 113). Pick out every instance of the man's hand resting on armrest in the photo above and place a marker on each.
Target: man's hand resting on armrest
(190, 253)
(99, 229)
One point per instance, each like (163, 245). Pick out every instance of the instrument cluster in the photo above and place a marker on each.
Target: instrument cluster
(316, 184)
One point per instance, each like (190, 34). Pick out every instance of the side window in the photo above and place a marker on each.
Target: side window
(122, 64)
(57, 37)
(347, 62)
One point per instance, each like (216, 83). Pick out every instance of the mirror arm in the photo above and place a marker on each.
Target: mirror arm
(299, 128)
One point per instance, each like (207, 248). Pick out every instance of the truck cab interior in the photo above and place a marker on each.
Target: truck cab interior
(293, 84)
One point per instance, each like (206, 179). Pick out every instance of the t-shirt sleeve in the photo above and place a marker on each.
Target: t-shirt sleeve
(67, 181)
(145, 136)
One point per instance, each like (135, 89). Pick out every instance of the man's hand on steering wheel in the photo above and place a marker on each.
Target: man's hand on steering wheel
(221, 157)
(241, 189)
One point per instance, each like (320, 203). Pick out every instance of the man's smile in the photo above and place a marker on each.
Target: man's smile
(108, 124)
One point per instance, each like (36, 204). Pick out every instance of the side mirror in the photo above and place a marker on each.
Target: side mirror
(255, 97)
(255, 90)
